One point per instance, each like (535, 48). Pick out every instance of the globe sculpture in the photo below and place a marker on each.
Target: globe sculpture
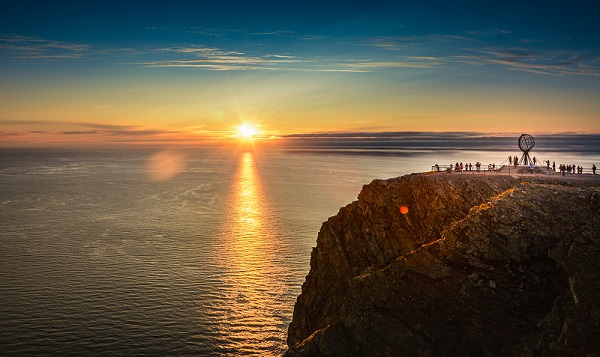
(526, 143)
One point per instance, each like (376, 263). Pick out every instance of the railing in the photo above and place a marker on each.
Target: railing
(510, 169)
(465, 169)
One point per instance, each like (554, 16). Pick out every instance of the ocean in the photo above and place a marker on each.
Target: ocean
(175, 251)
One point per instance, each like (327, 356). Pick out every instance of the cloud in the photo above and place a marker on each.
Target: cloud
(541, 62)
(227, 33)
(147, 132)
(403, 143)
(10, 133)
(290, 34)
(30, 47)
(403, 43)
(386, 53)
(97, 126)
(87, 132)
(280, 56)
(444, 49)
(391, 43)
(217, 59)
(210, 31)
(276, 33)
(491, 32)
(105, 126)
(403, 62)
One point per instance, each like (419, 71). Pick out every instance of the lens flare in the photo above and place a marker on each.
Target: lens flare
(164, 165)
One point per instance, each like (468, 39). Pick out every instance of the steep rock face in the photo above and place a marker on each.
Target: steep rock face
(495, 266)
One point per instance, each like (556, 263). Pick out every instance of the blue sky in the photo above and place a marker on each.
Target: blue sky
(196, 69)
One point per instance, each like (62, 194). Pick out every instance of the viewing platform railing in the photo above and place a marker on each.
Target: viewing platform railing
(587, 172)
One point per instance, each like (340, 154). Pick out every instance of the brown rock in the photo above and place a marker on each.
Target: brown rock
(478, 266)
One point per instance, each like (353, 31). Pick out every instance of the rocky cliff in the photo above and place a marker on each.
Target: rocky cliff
(478, 266)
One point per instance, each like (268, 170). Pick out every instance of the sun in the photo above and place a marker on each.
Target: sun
(246, 130)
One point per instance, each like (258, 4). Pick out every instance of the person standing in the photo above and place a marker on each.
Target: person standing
(594, 169)
(553, 166)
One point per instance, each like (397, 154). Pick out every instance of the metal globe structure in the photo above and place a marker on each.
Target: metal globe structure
(526, 143)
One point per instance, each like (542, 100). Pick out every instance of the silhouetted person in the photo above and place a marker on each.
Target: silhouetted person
(553, 166)
(594, 169)
(510, 160)
(534, 161)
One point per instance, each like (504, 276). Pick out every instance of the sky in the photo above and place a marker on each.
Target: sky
(191, 72)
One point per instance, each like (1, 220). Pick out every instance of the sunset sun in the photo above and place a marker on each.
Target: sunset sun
(246, 130)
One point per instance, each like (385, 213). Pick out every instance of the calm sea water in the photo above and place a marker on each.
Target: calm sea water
(170, 252)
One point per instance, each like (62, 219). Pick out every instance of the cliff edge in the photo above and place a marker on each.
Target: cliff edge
(478, 266)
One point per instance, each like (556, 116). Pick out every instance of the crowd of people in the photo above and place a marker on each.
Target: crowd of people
(572, 169)
(514, 161)
(460, 167)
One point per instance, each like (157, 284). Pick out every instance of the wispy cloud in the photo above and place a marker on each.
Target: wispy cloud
(29, 47)
(212, 58)
(542, 62)
(290, 34)
(119, 132)
(402, 62)
(402, 43)
(91, 132)
(229, 33)
(275, 33)
(391, 43)
(10, 133)
(386, 53)
(491, 32)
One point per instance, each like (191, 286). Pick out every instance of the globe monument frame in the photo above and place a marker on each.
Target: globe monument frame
(526, 143)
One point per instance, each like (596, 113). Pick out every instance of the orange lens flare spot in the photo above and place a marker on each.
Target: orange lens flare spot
(403, 209)
(164, 165)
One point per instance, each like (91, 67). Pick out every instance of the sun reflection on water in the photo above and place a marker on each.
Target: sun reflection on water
(252, 314)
